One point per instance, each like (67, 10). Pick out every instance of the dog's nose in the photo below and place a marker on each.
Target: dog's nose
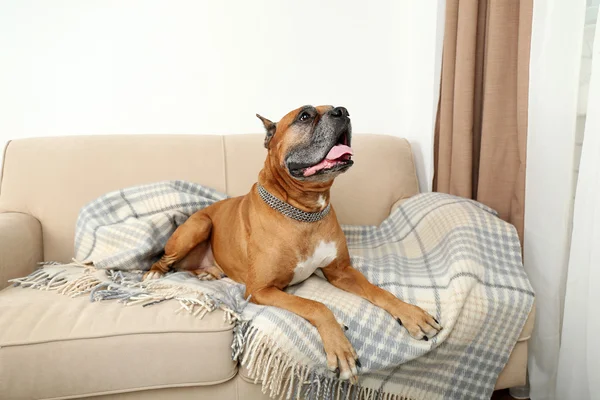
(339, 112)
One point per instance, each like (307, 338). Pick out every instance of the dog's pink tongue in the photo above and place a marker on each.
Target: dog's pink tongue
(338, 151)
(334, 154)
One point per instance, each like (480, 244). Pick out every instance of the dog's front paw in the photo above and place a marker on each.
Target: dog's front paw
(419, 324)
(341, 356)
(151, 275)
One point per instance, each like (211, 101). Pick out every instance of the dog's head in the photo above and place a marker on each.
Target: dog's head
(311, 143)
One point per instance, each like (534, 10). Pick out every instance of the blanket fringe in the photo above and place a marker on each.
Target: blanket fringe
(43, 279)
(281, 377)
(118, 287)
(194, 302)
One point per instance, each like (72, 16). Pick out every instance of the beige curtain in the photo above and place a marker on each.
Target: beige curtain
(481, 127)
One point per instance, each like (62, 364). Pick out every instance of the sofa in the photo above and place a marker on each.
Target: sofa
(56, 347)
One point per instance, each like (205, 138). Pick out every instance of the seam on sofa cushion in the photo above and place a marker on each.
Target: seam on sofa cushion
(403, 197)
(237, 385)
(224, 149)
(246, 379)
(29, 215)
(139, 389)
(414, 164)
(16, 344)
(3, 164)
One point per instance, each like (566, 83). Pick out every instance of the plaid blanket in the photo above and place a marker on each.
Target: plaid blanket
(451, 256)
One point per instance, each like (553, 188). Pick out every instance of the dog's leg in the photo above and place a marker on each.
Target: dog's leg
(209, 273)
(201, 262)
(341, 356)
(419, 323)
(186, 237)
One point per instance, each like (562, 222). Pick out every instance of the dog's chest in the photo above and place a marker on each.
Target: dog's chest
(322, 256)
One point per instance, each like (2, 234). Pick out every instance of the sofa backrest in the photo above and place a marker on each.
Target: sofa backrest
(52, 178)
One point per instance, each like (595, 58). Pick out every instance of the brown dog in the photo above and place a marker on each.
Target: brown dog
(284, 230)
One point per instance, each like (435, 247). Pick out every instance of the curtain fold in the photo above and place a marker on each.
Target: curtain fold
(579, 357)
(555, 61)
(481, 127)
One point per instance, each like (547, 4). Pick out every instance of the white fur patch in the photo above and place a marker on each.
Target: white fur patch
(322, 202)
(324, 254)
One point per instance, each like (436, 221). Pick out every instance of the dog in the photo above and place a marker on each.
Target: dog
(285, 229)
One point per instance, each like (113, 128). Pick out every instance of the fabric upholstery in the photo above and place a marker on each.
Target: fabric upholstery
(236, 388)
(515, 372)
(69, 346)
(20, 245)
(64, 173)
(225, 390)
(52, 346)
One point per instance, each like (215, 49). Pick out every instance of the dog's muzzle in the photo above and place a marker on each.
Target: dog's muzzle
(329, 149)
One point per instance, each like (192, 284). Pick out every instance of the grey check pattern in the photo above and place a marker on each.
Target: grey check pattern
(128, 229)
(451, 256)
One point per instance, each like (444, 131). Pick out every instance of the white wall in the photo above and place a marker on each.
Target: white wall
(150, 66)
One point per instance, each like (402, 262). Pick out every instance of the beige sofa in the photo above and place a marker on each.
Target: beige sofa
(56, 347)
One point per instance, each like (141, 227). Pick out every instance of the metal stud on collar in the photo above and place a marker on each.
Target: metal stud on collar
(289, 210)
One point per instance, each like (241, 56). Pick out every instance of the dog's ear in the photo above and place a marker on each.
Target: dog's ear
(270, 126)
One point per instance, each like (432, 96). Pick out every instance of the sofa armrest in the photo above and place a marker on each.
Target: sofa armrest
(20, 246)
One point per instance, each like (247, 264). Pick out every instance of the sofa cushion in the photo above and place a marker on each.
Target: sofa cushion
(64, 173)
(52, 178)
(54, 346)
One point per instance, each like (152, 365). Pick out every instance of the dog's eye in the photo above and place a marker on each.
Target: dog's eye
(304, 116)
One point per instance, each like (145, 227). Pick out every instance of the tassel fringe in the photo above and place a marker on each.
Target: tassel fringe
(281, 377)
(117, 286)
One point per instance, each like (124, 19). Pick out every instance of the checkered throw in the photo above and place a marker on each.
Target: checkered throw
(451, 256)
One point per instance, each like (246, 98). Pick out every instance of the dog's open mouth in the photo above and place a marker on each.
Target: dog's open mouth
(338, 158)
